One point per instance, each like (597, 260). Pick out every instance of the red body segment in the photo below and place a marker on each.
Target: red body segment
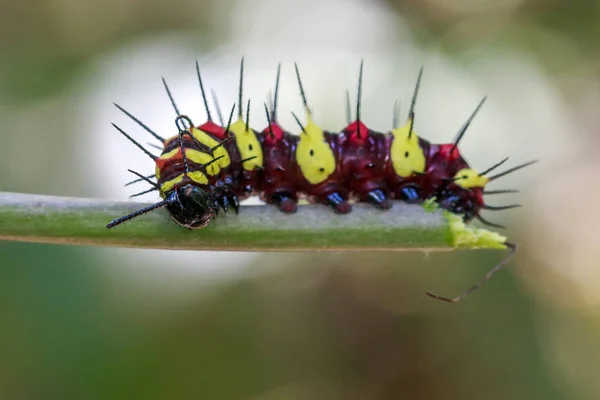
(278, 184)
(363, 155)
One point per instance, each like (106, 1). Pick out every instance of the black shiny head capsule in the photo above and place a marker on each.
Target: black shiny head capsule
(191, 207)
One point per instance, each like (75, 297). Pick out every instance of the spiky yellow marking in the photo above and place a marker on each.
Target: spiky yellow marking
(210, 142)
(313, 154)
(405, 152)
(469, 237)
(248, 145)
(469, 178)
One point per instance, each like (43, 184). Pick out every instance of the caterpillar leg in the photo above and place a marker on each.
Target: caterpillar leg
(285, 203)
(339, 204)
(379, 199)
(235, 203)
(224, 202)
(512, 249)
(409, 195)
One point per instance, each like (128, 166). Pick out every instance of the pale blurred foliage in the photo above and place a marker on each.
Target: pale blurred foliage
(543, 89)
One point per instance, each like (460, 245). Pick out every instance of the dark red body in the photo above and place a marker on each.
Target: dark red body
(364, 172)
(278, 184)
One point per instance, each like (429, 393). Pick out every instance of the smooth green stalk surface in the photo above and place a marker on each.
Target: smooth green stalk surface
(47, 219)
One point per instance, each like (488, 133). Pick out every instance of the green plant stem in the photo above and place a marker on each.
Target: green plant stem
(47, 219)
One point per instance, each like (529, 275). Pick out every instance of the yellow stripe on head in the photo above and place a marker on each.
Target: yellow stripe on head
(202, 158)
(169, 185)
(198, 177)
(210, 142)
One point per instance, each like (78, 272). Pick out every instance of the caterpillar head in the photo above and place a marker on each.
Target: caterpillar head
(469, 178)
(191, 207)
(463, 194)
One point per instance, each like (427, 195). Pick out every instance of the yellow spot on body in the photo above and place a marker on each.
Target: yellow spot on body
(207, 140)
(405, 152)
(468, 178)
(472, 238)
(247, 144)
(314, 155)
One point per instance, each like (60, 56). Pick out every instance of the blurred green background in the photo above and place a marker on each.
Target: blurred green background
(93, 323)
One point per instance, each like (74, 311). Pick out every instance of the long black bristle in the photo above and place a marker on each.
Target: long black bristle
(203, 92)
(271, 134)
(276, 95)
(413, 102)
(144, 192)
(240, 90)
(217, 106)
(463, 129)
(171, 97)
(500, 208)
(142, 177)
(214, 160)
(488, 223)
(299, 123)
(509, 171)
(302, 93)
(137, 213)
(140, 180)
(512, 249)
(230, 120)
(132, 140)
(154, 146)
(491, 192)
(248, 116)
(493, 167)
(358, 97)
(140, 123)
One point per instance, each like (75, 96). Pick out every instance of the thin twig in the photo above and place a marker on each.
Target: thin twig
(47, 219)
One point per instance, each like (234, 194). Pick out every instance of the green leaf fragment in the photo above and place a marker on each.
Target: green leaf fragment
(464, 236)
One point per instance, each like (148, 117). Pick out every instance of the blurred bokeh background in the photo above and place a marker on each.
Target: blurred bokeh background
(98, 323)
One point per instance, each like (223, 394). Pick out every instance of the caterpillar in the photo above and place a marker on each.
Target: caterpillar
(210, 167)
